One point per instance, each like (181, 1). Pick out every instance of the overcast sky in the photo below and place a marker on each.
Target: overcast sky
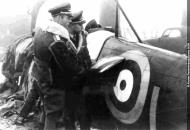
(158, 13)
(14, 7)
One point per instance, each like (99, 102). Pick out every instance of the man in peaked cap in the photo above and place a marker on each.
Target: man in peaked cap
(76, 28)
(78, 106)
(62, 11)
(78, 37)
(55, 63)
(77, 22)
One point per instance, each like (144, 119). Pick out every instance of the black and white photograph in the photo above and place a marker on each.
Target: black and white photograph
(94, 65)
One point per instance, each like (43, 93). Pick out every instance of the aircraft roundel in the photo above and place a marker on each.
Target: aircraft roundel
(127, 97)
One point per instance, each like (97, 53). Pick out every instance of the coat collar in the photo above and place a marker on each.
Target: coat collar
(56, 29)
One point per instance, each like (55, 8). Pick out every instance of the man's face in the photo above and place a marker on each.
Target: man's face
(76, 27)
(65, 20)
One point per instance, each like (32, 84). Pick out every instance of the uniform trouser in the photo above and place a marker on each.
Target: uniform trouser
(76, 108)
(54, 106)
(52, 93)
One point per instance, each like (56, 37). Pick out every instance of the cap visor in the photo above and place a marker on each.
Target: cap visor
(79, 22)
(67, 13)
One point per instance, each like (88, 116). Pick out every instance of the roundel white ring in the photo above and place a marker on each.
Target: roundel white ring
(125, 77)
(134, 114)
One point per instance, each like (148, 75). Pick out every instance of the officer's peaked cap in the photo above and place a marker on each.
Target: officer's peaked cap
(64, 8)
(77, 18)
